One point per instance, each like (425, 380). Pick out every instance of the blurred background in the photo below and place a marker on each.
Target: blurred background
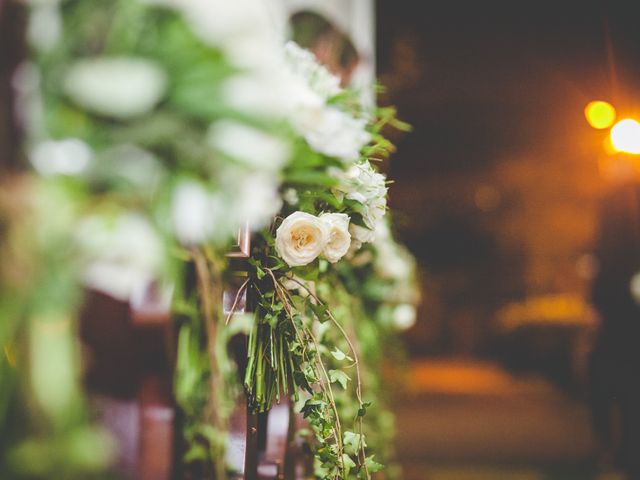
(497, 190)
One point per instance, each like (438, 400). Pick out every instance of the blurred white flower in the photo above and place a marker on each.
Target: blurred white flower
(392, 261)
(404, 316)
(332, 131)
(193, 212)
(304, 64)
(256, 93)
(301, 238)
(69, 156)
(119, 87)
(120, 255)
(249, 31)
(290, 196)
(44, 28)
(133, 164)
(257, 200)
(339, 236)
(249, 145)
(326, 128)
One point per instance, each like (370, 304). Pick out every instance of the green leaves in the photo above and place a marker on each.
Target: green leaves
(340, 355)
(372, 465)
(353, 442)
(338, 376)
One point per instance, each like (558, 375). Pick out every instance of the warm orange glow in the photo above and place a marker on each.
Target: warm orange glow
(600, 114)
(625, 136)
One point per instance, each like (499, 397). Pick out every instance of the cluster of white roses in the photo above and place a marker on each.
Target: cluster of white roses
(271, 83)
(365, 185)
(302, 237)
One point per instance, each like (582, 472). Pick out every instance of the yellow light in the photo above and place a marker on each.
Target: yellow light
(625, 136)
(600, 114)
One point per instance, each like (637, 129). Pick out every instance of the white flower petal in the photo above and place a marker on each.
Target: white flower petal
(119, 87)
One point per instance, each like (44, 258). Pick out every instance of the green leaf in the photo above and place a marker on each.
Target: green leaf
(320, 311)
(353, 442)
(363, 409)
(197, 452)
(338, 376)
(307, 272)
(348, 464)
(372, 465)
(338, 354)
(310, 177)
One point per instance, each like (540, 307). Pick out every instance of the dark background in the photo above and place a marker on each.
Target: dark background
(497, 185)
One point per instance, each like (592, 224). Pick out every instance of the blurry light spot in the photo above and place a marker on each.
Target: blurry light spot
(487, 198)
(625, 136)
(634, 286)
(587, 266)
(600, 114)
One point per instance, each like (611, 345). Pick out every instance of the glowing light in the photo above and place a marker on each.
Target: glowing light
(625, 136)
(600, 114)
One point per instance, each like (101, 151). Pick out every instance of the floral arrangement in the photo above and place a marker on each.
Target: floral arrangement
(157, 130)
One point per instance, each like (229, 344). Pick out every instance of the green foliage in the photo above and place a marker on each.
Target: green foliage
(317, 333)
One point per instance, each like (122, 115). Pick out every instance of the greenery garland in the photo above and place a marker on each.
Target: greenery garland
(158, 128)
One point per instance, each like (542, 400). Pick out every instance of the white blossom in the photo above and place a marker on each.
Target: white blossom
(362, 183)
(44, 28)
(119, 87)
(193, 212)
(359, 236)
(301, 238)
(257, 200)
(249, 31)
(326, 128)
(249, 145)
(304, 64)
(333, 132)
(290, 195)
(339, 236)
(69, 156)
(120, 255)
(393, 261)
(404, 316)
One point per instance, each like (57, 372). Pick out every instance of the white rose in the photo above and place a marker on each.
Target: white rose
(339, 236)
(367, 186)
(301, 238)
